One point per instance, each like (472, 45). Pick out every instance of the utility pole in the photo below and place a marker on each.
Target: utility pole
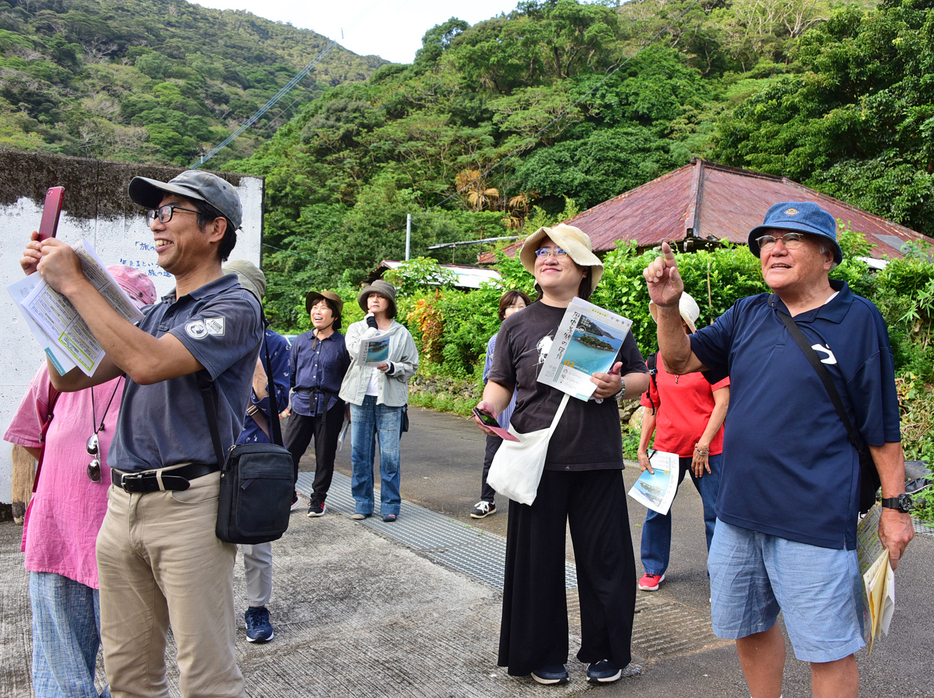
(408, 235)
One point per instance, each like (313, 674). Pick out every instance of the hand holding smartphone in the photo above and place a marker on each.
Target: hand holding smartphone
(51, 212)
(489, 421)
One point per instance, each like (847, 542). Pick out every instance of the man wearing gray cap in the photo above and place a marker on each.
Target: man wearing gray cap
(158, 557)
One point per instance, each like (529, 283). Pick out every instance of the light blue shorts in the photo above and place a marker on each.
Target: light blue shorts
(753, 576)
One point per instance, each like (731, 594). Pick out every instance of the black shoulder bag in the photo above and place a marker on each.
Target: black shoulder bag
(869, 476)
(256, 479)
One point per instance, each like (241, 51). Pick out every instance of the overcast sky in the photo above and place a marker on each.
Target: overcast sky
(391, 29)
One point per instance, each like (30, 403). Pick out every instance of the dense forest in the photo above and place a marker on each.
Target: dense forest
(158, 81)
(516, 121)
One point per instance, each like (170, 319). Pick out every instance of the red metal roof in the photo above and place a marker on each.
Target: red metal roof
(712, 202)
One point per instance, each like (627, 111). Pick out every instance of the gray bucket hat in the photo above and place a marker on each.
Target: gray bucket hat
(192, 184)
(250, 276)
(383, 288)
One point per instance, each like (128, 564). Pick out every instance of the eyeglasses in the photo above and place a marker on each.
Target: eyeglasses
(545, 253)
(792, 241)
(164, 213)
(93, 447)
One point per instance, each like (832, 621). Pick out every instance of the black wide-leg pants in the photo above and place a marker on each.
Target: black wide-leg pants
(326, 430)
(534, 629)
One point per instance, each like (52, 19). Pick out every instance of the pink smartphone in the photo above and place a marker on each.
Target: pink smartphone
(489, 421)
(51, 212)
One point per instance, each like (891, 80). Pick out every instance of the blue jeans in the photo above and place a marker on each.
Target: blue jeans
(66, 622)
(656, 531)
(371, 421)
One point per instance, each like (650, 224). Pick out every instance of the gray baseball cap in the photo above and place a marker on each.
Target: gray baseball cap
(192, 184)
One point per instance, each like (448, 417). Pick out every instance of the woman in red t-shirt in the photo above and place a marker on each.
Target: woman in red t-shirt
(685, 413)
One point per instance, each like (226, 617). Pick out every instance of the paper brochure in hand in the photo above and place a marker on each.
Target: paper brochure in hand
(657, 491)
(587, 342)
(63, 334)
(374, 350)
(878, 577)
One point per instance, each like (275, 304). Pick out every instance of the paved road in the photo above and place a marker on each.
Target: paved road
(442, 456)
(364, 609)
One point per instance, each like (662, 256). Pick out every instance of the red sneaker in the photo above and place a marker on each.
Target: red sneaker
(650, 582)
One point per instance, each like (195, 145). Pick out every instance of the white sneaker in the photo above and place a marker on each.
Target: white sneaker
(482, 509)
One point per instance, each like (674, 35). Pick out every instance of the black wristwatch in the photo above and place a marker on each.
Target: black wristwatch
(900, 503)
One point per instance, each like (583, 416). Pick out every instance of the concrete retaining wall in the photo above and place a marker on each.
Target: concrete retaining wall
(96, 208)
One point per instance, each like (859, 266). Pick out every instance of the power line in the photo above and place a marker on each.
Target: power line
(266, 107)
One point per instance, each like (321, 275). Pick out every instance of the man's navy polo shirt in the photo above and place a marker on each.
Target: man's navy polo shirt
(165, 423)
(788, 467)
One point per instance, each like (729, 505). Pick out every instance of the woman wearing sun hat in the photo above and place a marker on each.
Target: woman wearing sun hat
(685, 413)
(319, 360)
(581, 484)
(377, 396)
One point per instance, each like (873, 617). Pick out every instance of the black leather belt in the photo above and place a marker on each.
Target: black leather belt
(175, 479)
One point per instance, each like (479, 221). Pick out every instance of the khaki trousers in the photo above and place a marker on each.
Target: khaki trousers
(160, 563)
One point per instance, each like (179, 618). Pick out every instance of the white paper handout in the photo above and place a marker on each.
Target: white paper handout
(61, 328)
(878, 577)
(374, 350)
(20, 290)
(658, 491)
(587, 341)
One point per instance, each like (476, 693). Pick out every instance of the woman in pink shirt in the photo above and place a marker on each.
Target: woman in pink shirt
(64, 516)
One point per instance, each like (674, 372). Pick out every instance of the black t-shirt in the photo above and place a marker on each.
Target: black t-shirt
(588, 435)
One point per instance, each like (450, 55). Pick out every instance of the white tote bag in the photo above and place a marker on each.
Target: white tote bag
(517, 466)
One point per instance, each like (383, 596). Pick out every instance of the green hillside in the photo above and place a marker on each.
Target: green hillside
(158, 81)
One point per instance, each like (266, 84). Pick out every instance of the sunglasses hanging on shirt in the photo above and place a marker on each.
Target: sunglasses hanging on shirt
(93, 444)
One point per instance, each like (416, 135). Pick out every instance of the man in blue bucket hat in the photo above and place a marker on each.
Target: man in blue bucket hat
(788, 505)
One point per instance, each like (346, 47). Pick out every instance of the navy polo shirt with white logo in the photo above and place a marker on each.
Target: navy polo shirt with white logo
(788, 468)
(165, 423)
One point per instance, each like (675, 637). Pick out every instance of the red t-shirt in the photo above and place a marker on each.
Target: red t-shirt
(682, 409)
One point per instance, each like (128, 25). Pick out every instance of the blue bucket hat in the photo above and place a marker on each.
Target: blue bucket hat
(802, 216)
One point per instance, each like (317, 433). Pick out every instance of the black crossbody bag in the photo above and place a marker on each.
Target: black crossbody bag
(256, 479)
(869, 476)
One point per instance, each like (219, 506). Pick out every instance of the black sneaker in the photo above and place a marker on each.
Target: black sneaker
(296, 504)
(603, 672)
(316, 508)
(258, 627)
(482, 509)
(551, 675)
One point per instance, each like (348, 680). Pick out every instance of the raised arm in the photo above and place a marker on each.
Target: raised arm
(142, 357)
(665, 289)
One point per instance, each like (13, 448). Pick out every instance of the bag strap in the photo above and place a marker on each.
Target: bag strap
(50, 412)
(558, 414)
(205, 385)
(822, 372)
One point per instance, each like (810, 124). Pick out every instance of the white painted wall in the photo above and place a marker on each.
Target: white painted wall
(121, 240)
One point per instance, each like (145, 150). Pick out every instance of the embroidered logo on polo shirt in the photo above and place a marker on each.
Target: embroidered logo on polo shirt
(791, 212)
(831, 359)
(215, 326)
(196, 329)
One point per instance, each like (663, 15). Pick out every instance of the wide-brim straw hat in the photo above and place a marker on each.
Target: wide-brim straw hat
(688, 308)
(383, 288)
(314, 296)
(572, 240)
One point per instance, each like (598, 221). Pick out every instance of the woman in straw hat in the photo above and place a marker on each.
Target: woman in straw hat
(685, 413)
(581, 484)
(377, 396)
(319, 361)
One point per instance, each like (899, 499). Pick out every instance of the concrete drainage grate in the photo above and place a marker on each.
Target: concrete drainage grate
(454, 544)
